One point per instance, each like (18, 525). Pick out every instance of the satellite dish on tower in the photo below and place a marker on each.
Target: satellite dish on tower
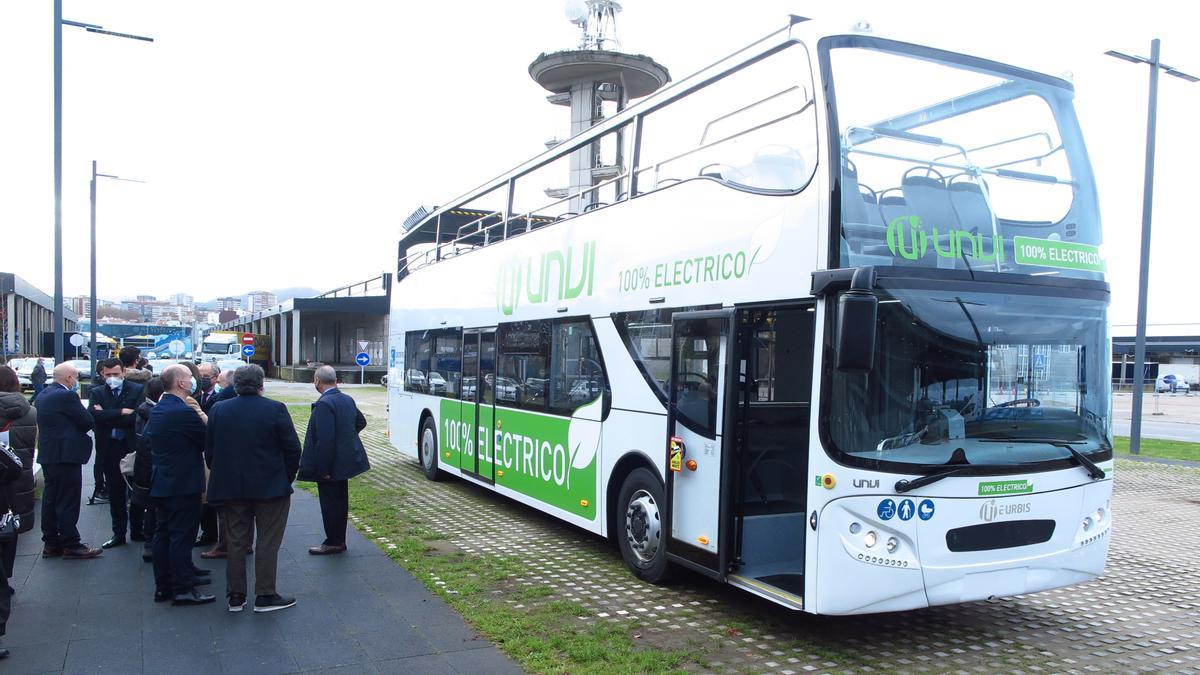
(576, 11)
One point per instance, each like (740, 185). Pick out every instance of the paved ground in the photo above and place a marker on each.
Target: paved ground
(1143, 615)
(358, 612)
(1178, 417)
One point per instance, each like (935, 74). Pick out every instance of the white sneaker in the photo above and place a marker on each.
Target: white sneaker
(237, 602)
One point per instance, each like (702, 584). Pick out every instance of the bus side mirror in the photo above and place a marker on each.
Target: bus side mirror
(857, 310)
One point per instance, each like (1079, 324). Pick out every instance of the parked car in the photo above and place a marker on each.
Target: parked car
(414, 380)
(437, 383)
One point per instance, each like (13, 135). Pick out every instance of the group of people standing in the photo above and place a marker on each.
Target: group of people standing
(192, 444)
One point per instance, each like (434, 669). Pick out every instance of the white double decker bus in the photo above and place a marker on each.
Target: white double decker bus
(829, 324)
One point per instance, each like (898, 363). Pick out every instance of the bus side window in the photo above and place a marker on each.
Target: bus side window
(522, 379)
(577, 370)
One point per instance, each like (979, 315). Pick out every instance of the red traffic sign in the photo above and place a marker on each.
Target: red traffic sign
(247, 338)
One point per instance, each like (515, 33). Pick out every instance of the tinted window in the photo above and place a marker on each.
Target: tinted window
(698, 362)
(522, 379)
(647, 337)
(578, 374)
(433, 362)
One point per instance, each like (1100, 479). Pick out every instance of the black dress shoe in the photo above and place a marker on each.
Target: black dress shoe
(3, 653)
(192, 598)
(200, 572)
(114, 542)
(163, 596)
(201, 581)
(137, 536)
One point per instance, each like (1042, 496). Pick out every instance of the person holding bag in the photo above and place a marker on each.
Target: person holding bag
(18, 433)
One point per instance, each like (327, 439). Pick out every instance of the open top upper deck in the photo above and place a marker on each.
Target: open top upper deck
(724, 124)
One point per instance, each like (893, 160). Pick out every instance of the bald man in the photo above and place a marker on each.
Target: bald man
(63, 448)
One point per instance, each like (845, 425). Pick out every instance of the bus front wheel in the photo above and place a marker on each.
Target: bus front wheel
(428, 448)
(641, 530)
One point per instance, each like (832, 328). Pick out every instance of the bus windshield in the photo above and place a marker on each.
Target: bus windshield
(986, 375)
(958, 163)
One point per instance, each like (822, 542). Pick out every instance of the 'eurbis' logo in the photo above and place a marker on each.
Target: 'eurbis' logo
(907, 238)
(561, 275)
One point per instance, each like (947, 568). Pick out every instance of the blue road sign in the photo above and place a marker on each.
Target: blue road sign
(906, 509)
(363, 359)
(1039, 364)
(886, 509)
(925, 509)
(248, 351)
(392, 361)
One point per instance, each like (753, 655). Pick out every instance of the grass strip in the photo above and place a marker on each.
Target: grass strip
(543, 632)
(1161, 448)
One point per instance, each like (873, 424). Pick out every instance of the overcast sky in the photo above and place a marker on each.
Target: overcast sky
(285, 142)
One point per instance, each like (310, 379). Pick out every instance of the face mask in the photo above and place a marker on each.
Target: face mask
(206, 383)
(114, 382)
(217, 389)
(193, 384)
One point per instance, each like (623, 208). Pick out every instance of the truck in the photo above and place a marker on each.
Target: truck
(224, 345)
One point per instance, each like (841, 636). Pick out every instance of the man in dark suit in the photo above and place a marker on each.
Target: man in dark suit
(63, 449)
(175, 434)
(333, 454)
(225, 392)
(113, 402)
(253, 453)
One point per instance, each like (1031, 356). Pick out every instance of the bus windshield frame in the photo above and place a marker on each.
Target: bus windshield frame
(972, 395)
(938, 185)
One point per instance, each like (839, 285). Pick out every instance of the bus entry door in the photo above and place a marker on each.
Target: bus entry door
(478, 409)
(697, 462)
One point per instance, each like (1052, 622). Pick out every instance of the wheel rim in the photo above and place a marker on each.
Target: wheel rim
(427, 449)
(643, 527)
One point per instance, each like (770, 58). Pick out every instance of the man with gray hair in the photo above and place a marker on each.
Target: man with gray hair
(333, 454)
(63, 448)
(253, 453)
(175, 434)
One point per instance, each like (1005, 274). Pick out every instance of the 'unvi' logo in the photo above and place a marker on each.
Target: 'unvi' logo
(907, 238)
(555, 275)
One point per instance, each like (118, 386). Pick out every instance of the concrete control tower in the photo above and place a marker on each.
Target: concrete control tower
(585, 79)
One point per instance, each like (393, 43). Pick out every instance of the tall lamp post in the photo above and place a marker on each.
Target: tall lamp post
(95, 314)
(59, 22)
(1139, 349)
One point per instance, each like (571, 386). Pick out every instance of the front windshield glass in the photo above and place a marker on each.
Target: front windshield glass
(994, 374)
(959, 163)
(217, 348)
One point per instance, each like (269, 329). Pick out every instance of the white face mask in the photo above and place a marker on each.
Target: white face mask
(193, 389)
(114, 382)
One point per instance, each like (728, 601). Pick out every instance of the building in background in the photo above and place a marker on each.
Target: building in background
(26, 313)
(257, 301)
(183, 300)
(81, 305)
(229, 304)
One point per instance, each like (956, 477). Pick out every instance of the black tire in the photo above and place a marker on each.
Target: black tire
(641, 530)
(427, 449)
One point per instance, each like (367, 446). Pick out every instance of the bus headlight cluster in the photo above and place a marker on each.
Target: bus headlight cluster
(870, 538)
(892, 544)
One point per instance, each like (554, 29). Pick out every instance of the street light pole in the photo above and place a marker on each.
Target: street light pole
(1139, 348)
(95, 309)
(59, 317)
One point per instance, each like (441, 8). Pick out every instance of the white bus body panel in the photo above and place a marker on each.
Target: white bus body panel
(852, 578)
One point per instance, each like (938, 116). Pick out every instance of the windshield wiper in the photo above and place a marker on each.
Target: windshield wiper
(905, 485)
(1084, 463)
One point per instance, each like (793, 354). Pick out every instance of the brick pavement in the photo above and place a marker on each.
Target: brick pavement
(1142, 615)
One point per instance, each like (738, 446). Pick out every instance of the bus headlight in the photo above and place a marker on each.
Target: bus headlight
(1087, 524)
(1098, 516)
(892, 544)
(855, 528)
(870, 538)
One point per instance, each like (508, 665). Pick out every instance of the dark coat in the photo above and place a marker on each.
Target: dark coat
(176, 437)
(331, 445)
(252, 450)
(142, 462)
(38, 376)
(206, 401)
(21, 420)
(224, 395)
(110, 417)
(63, 424)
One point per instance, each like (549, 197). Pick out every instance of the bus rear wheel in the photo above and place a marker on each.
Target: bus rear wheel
(428, 448)
(641, 530)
